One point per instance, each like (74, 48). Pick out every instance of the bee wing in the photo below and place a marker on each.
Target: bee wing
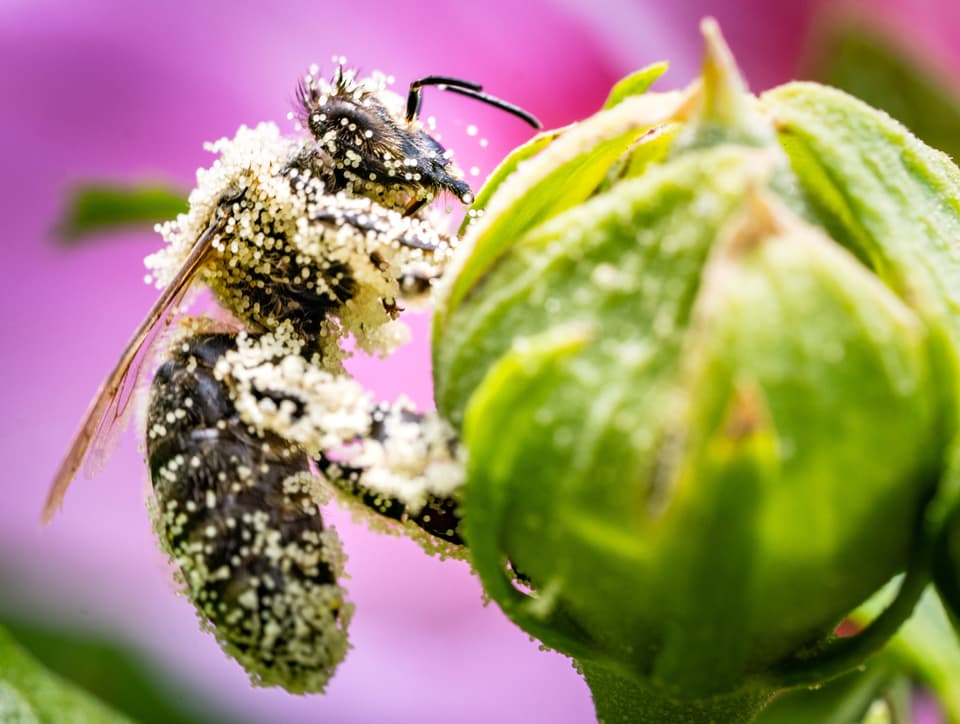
(112, 399)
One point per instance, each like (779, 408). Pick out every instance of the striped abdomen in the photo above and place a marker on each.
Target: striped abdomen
(238, 513)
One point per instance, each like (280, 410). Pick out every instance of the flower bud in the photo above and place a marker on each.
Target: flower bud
(704, 368)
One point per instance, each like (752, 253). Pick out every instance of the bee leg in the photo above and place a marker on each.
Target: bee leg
(433, 446)
(400, 463)
(415, 285)
(414, 206)
(235, 511)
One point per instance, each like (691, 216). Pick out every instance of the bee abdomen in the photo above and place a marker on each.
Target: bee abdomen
(238, 513)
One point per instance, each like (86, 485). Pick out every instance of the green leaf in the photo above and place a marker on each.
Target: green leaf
(115, 673)
(29, 693)
(879, 71)
(95, 208)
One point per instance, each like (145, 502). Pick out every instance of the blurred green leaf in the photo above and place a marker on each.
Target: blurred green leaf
(882, 73)
(29, 693)
(115, 673)
(94, 208)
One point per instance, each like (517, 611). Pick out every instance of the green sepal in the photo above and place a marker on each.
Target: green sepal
(529, 369)
(783, 309)
(653, 147)
(562, 266)
(634, 84)
(722, 110)
(880, 192)
(560, 176)
(504, 170)
(637, 83)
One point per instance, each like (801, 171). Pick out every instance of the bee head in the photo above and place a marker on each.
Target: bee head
(375, 143)
(358, 126)
(346, 117)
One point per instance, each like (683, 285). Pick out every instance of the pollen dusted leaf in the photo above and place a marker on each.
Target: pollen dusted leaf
(29, 693)
(95, 208)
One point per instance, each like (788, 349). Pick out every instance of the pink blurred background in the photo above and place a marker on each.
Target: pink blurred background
(127, 91)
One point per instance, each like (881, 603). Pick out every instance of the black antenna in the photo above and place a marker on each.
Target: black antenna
(465, 88)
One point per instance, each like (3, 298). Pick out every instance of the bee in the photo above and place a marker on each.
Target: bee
(302, 242)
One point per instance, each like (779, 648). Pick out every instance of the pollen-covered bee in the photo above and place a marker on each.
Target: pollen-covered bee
(303, 242)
